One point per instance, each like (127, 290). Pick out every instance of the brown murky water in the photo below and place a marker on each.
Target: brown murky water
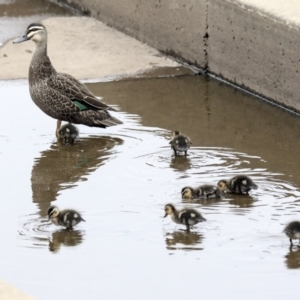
(121, 178)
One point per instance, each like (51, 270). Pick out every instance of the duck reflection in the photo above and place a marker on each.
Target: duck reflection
(242, 201)
(180, 163)
(181, 240)
(203, 201)
(61, 167)
(293, 258)
(65, 237)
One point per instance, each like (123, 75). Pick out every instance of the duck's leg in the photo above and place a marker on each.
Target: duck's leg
(291, 242)
(58, 124)
(187, 228)
(175, 152)
(185, 153)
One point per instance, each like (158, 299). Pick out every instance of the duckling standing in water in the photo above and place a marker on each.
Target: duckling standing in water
(180, 143)
(186, 216)
(240, 184)
(292, 230)
(67, 218)
(68, 132)
(203, 191)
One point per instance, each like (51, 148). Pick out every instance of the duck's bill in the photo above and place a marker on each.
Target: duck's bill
(165, 215)
(21, 39)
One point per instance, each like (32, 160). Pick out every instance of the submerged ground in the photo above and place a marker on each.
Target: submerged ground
(121, 178)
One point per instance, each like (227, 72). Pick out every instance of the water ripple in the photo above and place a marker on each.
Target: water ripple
(40, 233)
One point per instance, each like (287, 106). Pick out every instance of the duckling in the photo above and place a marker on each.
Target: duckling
(180, 143)
(68, 132)
(240, 184)
(203, 191)
(292, 230)
(67, 218)
(185, 216)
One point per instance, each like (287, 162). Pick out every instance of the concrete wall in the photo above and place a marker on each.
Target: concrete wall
(173, 26)
(248, 45)
(255, 51)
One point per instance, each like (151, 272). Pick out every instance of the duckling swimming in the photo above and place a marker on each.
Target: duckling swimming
(180, 143)
(240, 184)
(68, 132)
(203, 191)
(185, 216)
(67, 218)
(292, 230)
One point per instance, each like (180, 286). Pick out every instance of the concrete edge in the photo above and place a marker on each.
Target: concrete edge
(243, 42)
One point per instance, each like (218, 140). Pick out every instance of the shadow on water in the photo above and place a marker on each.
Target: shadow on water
(62, 167)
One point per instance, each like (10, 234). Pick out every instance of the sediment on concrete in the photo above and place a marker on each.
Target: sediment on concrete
(253, 44)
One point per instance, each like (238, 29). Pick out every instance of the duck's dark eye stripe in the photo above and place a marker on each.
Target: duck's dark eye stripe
(34, 29)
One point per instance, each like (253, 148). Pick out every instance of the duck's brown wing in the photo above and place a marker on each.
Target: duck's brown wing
(77, 92)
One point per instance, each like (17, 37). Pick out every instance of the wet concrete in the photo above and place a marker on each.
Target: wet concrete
(121, 178)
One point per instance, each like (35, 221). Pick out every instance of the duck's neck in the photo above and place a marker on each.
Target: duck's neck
(40, 66)
(174, 217)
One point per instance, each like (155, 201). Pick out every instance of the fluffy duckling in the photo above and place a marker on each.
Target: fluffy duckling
(180, 143)
(186, 216)
(67, 218)
(203, 191)
(240, 184)
(68, 133)
(292, 230)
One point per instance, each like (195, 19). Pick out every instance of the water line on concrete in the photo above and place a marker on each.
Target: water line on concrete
(248, 92)
(205, 40)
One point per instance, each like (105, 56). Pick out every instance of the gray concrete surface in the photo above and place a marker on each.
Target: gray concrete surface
(254, 50)
(252, 43)
(174, 26)
(86, 49)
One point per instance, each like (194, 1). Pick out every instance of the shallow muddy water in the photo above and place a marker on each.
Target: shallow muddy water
(121, 178)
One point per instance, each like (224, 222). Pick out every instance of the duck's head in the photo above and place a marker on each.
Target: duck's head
(36, 32)
(175, 133)
(169, 210)
(53, 212)
(187, 193)
(222, 185)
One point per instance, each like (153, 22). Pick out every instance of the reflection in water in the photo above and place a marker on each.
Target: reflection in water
(183, 240)
(293, 258)
(61, 167)
(65, 237)
(203, 201)
(242, 201)
(180, 163)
